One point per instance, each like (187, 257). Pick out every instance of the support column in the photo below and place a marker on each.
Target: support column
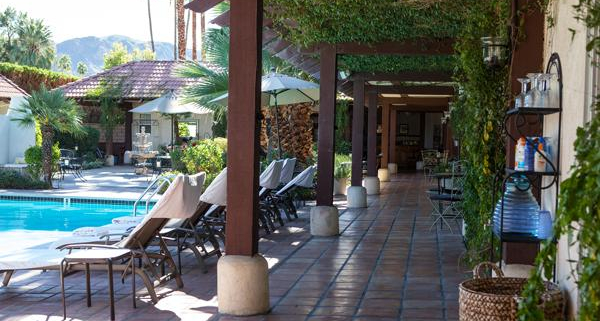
(383, 173)
(242, 274)
(357, 194)
(392, 165)
(324, 220)
(371, 182)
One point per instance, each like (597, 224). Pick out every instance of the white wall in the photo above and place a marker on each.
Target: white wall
(576, 102)
(14, 139)
(431, 119)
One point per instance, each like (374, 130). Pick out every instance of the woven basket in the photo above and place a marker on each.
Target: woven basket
(496, 299)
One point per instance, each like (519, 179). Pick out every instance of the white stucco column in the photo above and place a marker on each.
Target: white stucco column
(324, 221)
(243, 285)
(371, 184)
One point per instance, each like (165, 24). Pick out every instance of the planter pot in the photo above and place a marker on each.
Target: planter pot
(339, 186)
(109, 160)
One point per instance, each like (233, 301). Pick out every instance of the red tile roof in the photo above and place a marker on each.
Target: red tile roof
(9, 89)
(141, 79)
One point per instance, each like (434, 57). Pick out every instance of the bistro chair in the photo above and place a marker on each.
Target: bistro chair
(449, 199)
(430, 161)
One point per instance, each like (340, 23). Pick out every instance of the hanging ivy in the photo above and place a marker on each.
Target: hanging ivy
(476, 118)
(395, 64)
(371, 21)
(578, 213)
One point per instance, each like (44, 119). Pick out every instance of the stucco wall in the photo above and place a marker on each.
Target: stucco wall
(161, 127)
(14, 139)
(576, 100)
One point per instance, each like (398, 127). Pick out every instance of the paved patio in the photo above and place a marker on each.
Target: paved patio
(118, 182)
(385, 265)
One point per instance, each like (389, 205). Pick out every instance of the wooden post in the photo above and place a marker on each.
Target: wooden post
(385, 132)
(326, 148)
(243, 126)
(194, 38)
(372, 136)
(358, 124)
(393, 126)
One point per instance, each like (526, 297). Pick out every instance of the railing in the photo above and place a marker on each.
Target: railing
(152, 189)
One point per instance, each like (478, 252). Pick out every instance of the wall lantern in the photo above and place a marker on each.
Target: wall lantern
(494, 51)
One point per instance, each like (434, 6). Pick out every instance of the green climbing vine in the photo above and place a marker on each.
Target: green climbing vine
(395, 64)
(578, 213)
(477, 117)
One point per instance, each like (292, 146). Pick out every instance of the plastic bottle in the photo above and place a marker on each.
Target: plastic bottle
(540, 161)
(520, 154)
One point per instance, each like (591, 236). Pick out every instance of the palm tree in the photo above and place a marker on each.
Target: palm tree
(214, 75)
(35, 46)
(150, 25)
(52, 111)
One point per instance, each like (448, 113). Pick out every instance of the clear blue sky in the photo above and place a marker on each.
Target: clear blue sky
(79, 18)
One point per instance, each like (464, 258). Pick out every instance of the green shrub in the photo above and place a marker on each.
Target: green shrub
(33, 158)
(31, 78)
(342, 167)
(85, 143)
(203, 156)
(15, 180)
(93, 164)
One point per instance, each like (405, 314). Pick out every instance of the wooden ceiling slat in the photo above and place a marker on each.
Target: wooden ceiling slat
(277, 46)
(288, 53)
(202, 6)
(269, 35)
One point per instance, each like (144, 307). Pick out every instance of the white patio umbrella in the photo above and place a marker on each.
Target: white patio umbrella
(169, 104)
(282, 89)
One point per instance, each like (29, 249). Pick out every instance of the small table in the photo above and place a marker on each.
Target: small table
(103, 256)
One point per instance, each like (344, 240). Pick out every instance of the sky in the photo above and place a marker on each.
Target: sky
(80, 18)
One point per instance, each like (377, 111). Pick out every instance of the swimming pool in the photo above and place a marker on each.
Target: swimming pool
(59, 214)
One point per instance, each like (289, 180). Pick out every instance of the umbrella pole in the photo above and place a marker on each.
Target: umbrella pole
(277, 125)
(172, 131)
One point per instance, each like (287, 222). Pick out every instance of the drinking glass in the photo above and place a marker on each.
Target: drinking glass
(553, 91)
(522, 99)
(534, 92)
(544, 87)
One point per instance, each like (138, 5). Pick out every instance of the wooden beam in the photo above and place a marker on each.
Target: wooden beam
(404, 76)
(243, 146)
(422, 47)
(326, 143)
(358, 123)
(222, 20)
(372, 135)
(414, 90)
(416, 101)
(202, 6)
(420, 109)
(268, 36)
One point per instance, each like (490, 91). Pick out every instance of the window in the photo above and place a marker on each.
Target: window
(146, 123)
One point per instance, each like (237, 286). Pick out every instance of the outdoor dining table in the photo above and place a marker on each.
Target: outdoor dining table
(71, 165)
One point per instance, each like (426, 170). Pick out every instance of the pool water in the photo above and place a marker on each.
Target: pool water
(57, 216)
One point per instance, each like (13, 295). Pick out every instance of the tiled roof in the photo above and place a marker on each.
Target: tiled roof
(141, 80)
(9, 89)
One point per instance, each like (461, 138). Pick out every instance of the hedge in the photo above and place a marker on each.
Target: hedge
(30, 78)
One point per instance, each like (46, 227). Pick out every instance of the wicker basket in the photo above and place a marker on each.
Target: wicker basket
(496, 299)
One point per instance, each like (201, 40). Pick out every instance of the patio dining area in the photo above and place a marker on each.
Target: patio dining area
(385, 264)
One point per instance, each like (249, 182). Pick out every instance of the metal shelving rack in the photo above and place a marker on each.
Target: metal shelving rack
(518, 115)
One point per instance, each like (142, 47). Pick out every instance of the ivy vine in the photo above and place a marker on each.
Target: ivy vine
(578, 213)
(395, 64)
(477, 118)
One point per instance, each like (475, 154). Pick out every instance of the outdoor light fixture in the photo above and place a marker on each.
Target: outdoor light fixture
(494, 51)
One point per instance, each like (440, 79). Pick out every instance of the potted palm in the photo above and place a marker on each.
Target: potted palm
(341, 173)
(53, 112)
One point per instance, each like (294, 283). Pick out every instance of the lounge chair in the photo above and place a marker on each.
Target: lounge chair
(269, 180)
(283, 198)
(178, 202)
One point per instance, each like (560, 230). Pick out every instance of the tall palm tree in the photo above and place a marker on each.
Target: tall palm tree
(181, 43)
(150, 25)
(52, 111)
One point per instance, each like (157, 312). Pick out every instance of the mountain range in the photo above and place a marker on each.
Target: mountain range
(91, 50)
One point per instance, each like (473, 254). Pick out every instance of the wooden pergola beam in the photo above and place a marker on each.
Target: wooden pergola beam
(222, 20)
(415, 90)
(419, 108)
(201, 6)
(415, 101)
(434, 76)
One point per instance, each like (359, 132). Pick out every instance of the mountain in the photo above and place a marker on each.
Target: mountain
(91, 50)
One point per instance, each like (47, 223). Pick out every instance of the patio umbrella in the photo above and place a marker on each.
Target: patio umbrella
(168, 104)
(282, 89)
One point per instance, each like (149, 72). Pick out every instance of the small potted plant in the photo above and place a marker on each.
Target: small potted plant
(341, 173)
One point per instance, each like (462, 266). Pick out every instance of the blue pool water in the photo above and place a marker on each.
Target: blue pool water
(57, 216)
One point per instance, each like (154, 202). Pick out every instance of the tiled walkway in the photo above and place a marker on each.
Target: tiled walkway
(385, 265)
